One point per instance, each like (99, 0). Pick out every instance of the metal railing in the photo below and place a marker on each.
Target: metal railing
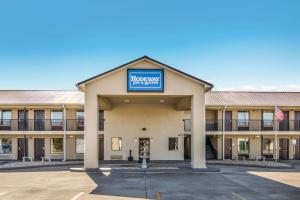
(252, 125)
(45, 124)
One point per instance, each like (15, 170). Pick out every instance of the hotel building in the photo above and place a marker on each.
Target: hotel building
(146, 105)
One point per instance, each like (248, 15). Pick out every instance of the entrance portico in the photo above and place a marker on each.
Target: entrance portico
(144, 113)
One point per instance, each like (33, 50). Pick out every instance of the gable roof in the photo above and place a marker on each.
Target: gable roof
(206, 84)
(41, 97)
(240, 98)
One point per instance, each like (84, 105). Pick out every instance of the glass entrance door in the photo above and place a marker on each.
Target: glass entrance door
(144, 146)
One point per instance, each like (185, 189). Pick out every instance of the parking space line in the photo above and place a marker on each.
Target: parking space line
(77, 196)
(238, 196)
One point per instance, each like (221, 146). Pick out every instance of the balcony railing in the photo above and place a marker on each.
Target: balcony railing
(252, 125)
(41, 125)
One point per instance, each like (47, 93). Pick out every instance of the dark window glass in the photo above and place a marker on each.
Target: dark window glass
(101, 120)
(173, 144)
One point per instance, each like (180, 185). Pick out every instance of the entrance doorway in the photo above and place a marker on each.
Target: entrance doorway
(39, 148)
(187, 147)
(297, 149)
(228, 148)
(144, 145)
(101, 147)
(39, 120)
(22, 148)
(283, 149)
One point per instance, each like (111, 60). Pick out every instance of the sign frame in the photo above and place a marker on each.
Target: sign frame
(161, 89)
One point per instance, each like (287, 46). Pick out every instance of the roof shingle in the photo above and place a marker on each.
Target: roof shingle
(228, 98)
(40, 97)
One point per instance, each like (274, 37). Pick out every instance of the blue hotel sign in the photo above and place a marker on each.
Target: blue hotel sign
(145, 80)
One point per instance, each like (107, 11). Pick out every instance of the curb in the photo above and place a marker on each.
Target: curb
(38, 166)
(249, 165)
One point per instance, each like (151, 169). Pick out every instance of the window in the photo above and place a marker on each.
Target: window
(173, 144)
(56, 145)
(243, 119)
(268, 119)
(79, 143)
(101, 120)
(243, 145)
(80, 120)
(56, 118)
(116, 144)
(5, 145)
(187, 124)
(268, 146)
(5, 117)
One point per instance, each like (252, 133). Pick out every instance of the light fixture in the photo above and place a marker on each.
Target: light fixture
(161, 101)
(126, 100)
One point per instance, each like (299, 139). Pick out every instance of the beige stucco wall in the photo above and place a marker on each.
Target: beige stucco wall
(115, 83)
(161, 122)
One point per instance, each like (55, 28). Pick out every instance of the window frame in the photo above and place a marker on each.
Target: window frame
(76, 146)
(186, 123)
(268, 122)
(51, 146)
(175, 145)
(4, 121)
(269, 152)
(119, 141)
(57, 122)
(243, 122)
(247, 150)
(1, 146)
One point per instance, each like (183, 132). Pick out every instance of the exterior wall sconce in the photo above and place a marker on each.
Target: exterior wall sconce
(135, 139)
(144, 129)
(151, 139)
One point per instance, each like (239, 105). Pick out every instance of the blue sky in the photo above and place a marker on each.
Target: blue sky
(236, 45)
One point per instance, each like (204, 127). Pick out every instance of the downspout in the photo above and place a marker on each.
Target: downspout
(65, 134)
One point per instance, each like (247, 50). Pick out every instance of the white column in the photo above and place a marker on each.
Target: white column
(91, 140)
(198, 131)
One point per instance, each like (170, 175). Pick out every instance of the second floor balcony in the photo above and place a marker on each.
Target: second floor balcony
(41, 125)
(252, 125)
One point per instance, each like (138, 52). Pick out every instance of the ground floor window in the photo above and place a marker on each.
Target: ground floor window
(173, 144)
(79, 143)
(5, 145)
(56, 145)
(116, 144)
(243, 145)
(268, 146)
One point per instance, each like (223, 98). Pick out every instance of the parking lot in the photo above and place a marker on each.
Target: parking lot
(230, 183)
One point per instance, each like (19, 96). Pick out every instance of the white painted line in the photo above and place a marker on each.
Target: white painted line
(238, 196)
(77, 196)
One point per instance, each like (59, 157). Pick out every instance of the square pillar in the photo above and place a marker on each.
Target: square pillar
(198, 131)
(91, 131)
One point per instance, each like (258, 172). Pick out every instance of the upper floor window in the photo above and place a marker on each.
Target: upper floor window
(56, 119)
(268, 118)
(80, 120)
(243, 118)
(101, 120)
(5, 117)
